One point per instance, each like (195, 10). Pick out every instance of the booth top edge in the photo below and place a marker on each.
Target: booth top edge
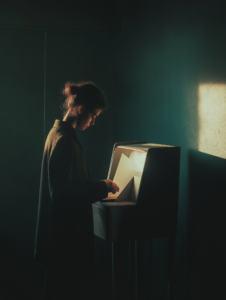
(142, 147)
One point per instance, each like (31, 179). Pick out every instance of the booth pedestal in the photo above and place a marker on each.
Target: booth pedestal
(133, 281)
(145, 208)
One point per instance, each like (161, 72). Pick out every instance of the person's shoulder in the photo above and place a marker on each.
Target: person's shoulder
(64, 139)
(60, 145)
(57, 139)
(58, 134)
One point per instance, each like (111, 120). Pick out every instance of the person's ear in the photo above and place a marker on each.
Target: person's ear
(81, 109)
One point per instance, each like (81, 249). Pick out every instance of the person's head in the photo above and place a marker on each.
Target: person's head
(84, 102)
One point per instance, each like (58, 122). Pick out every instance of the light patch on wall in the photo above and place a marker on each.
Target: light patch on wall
(212, 119)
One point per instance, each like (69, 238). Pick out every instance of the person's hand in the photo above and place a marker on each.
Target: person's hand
(112, 186)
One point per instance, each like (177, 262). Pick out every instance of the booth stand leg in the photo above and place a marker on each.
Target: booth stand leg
(133, 289)
(132, 270)
(130, 287)
(171, 269)
(127, 285)
(135, 269)
(113, 273)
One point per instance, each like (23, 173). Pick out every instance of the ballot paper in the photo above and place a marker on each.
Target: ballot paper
(127, 177)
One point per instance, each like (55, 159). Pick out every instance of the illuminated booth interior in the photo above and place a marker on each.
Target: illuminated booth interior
(147, 203)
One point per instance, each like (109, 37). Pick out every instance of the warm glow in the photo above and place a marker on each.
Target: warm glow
(212, 119)
(138, 158)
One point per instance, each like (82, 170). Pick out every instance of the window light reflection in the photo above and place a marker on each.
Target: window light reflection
(212, 119)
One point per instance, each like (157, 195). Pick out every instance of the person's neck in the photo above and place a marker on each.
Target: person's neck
(69, 119)
(72, 122)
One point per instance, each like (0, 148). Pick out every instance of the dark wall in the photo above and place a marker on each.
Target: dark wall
(22, 134)
(68, 14)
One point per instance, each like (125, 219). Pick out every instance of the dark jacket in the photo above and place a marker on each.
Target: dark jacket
(64, 231)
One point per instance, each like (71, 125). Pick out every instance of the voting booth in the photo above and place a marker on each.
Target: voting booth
(147, 203)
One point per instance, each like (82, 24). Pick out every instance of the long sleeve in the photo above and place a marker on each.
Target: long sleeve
(69, 186)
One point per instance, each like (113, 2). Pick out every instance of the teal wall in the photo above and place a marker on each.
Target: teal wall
(21, 110)
(165, 52)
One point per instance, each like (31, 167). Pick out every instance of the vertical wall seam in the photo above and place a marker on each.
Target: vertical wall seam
(120, 15)
(44, 110)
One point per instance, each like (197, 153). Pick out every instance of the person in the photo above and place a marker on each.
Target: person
(64, 241)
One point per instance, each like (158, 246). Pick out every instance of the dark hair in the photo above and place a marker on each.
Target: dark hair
(83, 93)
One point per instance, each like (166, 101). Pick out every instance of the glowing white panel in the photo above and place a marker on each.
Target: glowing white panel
(125, 171)
(138, 158)
(212, 119)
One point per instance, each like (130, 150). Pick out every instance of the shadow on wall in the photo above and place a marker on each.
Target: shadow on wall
(207, 223)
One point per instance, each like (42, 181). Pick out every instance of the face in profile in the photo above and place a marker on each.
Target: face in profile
(87, 118)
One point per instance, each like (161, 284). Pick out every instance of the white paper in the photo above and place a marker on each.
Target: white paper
(125, 172)
(138, 158)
